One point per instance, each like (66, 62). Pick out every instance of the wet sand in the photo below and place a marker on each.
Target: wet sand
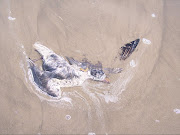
(140, 100)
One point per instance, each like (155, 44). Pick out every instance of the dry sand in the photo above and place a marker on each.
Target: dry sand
(140, 100)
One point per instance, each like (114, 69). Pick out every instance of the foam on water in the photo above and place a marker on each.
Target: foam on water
(22, 66)
(120, 85)
(21, 62)
(110, 98)
(96, 103)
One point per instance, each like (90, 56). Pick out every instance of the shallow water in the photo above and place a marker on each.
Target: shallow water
(144, 98)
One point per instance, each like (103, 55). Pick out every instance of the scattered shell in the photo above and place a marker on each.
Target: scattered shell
(157, 120)
(177, 111)
(68, 117)
(91, 133)
(11, 18)
(153, 15)
(146, 41)
(132, 63)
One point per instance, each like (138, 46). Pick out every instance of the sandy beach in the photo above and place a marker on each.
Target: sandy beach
(143, 99)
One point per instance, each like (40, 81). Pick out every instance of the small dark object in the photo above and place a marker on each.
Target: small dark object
(128, 48)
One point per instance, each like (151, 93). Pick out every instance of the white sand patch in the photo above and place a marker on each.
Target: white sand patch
(11, 18)
(132, 63)
(68, 117)
(146, 41)
(153, 15)
(177, 111)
